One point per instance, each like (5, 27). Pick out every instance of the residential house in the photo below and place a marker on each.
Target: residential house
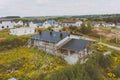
(59, 43)
(36, 24)
(104, 24)
(118, 25)
(6, 23)
(68, 23)
(99, 24)
(18, 23)
(22, 31)
(50, 23)
(110, 24)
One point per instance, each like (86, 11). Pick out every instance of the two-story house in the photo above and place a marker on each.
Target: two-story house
(36, 24)
(6, 23)
(69, 23)
(59, 43)
(50, 23)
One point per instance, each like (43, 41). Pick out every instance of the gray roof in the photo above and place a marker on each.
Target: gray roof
(36, 21)
(75, 45)
(52, 37)
(118, 24)
(51, 22)
(39, 24)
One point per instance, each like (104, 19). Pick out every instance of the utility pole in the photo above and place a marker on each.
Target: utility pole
(100, 38)
(116, 35)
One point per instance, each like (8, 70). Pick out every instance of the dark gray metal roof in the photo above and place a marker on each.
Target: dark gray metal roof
(52, 37)
(75, 45)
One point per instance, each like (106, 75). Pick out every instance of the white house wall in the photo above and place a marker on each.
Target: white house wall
(22, 31)
(68, 24)
(78, 23)
(32, 25)
(19, 23)
(118, 26)
(46, 24)
(6, 25)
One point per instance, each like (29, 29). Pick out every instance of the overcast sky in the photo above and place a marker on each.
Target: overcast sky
(57, 7)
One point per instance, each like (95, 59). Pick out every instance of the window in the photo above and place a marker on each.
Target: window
(2, 26)
(7, 26)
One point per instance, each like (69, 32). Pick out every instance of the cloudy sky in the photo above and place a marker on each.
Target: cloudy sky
(57, 7)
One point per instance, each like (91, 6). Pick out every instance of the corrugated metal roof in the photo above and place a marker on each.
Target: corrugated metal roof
(75, 45)
(48, 36)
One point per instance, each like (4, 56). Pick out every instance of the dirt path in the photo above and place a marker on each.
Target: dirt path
(110, 46)
(2, 39)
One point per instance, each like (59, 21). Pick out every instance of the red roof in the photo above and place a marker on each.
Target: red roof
(69, 21)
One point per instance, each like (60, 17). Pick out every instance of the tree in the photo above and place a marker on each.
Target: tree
(85, 27)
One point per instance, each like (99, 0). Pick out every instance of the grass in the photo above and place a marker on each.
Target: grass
(23, 63)
(5, 34)
(8, 42)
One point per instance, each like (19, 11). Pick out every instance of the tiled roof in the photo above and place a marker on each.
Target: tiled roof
(69, 21)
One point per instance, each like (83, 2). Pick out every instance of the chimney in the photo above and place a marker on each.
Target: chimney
(61, 35)
(40, 32)
(51, 33)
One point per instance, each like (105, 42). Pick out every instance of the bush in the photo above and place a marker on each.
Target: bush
(10, 44)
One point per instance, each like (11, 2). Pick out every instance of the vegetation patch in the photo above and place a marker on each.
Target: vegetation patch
(28, 64)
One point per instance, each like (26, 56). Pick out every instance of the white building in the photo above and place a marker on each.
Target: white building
(78, 23)
(110, 24)
(104, 24)
(35, 24)
(68, 23)
(22, 31)
(99, 24)
(6, 23)
(50, 23)
(118, 25)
